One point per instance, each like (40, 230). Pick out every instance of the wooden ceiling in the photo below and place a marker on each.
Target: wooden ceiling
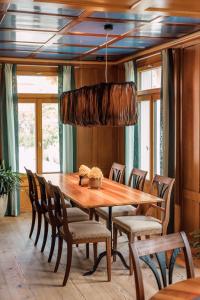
(74, 30)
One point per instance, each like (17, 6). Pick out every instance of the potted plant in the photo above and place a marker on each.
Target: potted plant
(9, 180)
(95, 178)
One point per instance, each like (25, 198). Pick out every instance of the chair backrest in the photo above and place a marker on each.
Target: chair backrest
(59, 213)
(42, 185)
(143, 250)
(117, 172)
(33, 193)
(162, 187)
(137, 179)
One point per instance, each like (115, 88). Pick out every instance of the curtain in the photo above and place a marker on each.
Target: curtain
(131, 132)
(168, 123)
(66, 82)
(9, 129)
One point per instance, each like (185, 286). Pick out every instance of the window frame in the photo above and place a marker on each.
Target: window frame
(151, 95)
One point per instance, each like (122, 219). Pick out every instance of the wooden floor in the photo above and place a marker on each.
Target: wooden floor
(26, 274)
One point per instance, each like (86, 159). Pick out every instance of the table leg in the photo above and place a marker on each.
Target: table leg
(114, 252)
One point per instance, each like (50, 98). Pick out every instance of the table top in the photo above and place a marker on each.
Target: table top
(110, 194)
(188, 289)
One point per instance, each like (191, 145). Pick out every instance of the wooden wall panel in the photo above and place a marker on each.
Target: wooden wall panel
(191, 138)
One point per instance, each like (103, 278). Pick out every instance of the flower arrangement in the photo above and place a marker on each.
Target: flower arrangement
(83, 175)
(95, 173)
(95, 178)
(83, 170)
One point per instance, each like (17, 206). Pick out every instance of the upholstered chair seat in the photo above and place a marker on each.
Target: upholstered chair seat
(126, 210)
(74, 214)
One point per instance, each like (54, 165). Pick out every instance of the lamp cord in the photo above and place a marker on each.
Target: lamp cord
(106, 70)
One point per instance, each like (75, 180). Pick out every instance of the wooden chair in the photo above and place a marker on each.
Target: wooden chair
(143, 250)
(136, 180)
(74, 215)
(117, 172)
(137, 226)
(77, 232)
(37, 208)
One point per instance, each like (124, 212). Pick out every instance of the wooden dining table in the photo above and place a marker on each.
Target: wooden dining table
(184, 290)
(110, 194)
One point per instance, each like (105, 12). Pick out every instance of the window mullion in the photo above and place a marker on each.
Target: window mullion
(39, 135)
(151, 139)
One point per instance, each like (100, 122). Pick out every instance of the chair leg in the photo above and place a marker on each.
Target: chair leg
(39, 227)
(96, 217)
(95, 251)
(33, 222)
(60, 246)
(53, 240)
(68, 264)
(46, 225)
(130, 239)
(108, 257)
(87, 250)
(115, 233)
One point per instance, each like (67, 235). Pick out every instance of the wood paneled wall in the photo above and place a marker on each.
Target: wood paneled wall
(99, 146)
(190, 137)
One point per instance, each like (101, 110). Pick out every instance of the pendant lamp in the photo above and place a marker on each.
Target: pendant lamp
(103, 104)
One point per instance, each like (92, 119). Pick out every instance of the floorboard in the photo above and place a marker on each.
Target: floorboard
(26, 274)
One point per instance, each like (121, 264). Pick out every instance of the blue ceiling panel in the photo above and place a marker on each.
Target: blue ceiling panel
(19, 46)
(181, 20)
(25, 36)
(115, 51)
(137, 42)
(34, 21)
(124, 16)
(98, 28)
(94, 57)
(65, 49)
(55, 56)
(47, 8)
(14, 53)
(80, 40)
(161, 30)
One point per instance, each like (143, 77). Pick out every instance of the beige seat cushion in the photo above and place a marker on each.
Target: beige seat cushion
(74, 214)
(139, 225)
(117, 211)
(88, 230)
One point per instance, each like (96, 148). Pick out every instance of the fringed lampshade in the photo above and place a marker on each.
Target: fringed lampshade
(104, 104)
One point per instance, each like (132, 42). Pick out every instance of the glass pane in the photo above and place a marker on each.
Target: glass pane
(144, 136)
(145, 80)
(27, 137)
(157, 141)
(150, 79)
(37, 84)
(50, 138)
(156, 78)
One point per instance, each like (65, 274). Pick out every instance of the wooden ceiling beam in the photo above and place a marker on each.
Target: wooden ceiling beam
(175, 12)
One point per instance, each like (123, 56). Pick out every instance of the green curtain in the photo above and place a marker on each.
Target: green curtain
(131, 132)
(66, 82)
(9, 128)
(168, 123)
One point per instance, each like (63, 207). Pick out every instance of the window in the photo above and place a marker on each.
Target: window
(38, 123)
(149, 119)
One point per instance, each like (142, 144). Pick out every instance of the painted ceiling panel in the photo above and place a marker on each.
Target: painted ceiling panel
(181, 20)
(115, 51)
(80, 40)
(137, 42)
(161, 30)
(33, 21)
(14, 53)
(25, 36)
(98, 27)
(20, 46)
(55, 56)
(124, 16)
(65, 49)
(38, 7)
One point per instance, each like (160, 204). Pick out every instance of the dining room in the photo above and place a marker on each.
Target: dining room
(99, 149)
